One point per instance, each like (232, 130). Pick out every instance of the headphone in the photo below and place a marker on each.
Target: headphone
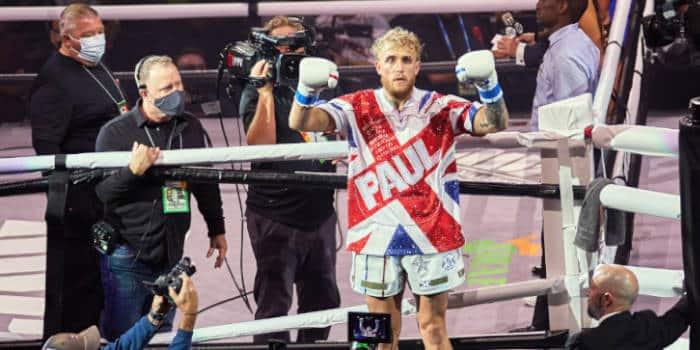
(137, 72)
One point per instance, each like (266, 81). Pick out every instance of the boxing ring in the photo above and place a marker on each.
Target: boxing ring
(565, 155)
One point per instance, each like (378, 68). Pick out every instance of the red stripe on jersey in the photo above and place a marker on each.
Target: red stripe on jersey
(359, 244)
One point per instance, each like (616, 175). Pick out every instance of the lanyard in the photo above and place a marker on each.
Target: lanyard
(170, 138)
(446, 37)
(118, 103)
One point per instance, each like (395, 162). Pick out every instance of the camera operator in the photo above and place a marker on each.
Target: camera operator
(138, 336)
(292, 230)
(151, 216)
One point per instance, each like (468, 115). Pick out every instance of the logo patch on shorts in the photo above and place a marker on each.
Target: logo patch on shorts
(449, 261)
(425, 284)
(420, 264)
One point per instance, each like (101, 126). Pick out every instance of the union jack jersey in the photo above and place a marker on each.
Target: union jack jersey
(403, 192)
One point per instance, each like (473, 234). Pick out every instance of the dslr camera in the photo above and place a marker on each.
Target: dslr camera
(172, 279)
(239, 58)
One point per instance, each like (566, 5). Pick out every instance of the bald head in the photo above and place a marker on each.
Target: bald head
(613, 288)
(619, 281)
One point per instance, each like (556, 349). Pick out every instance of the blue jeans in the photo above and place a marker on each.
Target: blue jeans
(126, 297)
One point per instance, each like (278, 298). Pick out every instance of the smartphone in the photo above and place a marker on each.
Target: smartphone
(369, 328)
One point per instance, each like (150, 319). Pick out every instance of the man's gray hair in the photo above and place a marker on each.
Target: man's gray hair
(144, 67)
(72, 13)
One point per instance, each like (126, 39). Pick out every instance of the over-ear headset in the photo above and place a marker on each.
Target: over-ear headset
(137, 72)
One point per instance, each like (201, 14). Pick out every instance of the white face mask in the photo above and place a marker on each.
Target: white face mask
(92, 48)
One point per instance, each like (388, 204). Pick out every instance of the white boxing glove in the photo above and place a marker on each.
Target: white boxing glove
(479, 68)
(315, 74)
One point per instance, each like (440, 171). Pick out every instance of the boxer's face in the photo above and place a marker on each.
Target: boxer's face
(398, 68)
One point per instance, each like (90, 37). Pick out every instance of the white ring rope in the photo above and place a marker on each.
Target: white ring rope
(271, 8)
(292, 151)
(325, 318)
(656, 282)
(644, 140)
(324, 150)
(662, 283)
(640, 201)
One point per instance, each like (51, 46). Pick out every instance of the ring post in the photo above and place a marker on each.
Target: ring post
(689, 168)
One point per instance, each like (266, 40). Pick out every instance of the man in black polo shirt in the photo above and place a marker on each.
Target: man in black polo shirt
(150, 215)
(292, 229)
(73, 96)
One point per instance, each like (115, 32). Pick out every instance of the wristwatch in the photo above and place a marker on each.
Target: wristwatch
(156, 316)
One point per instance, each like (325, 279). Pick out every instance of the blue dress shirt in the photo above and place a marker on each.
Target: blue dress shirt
(569, 68)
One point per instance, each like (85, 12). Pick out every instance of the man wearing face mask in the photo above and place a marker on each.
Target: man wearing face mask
(611, 294)
(72, 97)
(150, 228)
(292, 229)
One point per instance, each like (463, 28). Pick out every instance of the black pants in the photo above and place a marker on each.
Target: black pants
(73, 289)
(286, 256)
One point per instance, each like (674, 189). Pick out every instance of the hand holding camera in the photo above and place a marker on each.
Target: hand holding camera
(161, 286)
(260, 76)
(186, 300)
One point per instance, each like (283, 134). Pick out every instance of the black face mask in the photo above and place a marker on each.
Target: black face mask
(172, 104)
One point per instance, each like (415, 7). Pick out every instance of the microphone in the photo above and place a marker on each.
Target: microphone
(513, 28)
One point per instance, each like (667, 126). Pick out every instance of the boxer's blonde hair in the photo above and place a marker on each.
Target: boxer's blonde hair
(397, 37)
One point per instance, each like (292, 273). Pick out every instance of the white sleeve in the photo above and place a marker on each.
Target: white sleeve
(462, 116)
(520, 54)
(340, 111)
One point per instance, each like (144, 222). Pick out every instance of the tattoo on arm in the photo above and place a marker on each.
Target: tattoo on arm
(496, 116)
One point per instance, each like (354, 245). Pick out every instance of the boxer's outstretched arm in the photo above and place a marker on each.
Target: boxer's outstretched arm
(305, 118)
(491, 117)
(315, 74)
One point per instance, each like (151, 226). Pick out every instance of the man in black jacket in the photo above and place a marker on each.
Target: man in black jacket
(292, 229)
(72, 97)
(613, 289)
(150, 215)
